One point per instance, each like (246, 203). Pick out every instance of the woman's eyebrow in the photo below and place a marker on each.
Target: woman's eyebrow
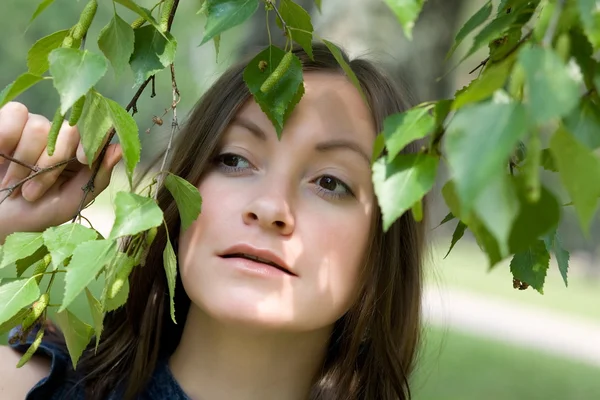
(329, 145)
(251, 126)
(337, 144)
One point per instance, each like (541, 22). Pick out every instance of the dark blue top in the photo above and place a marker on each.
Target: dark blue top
(59, 385)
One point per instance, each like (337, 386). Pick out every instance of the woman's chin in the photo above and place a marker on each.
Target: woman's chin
(255, 313)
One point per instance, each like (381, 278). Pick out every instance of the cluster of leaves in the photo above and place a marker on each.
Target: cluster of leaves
(79, 255)
(534, 106)
(73, 253)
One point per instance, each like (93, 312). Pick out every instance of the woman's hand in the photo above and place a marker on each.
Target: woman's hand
(52, 197)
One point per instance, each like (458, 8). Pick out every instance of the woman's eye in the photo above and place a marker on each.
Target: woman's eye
(332, 187)
(233, 162)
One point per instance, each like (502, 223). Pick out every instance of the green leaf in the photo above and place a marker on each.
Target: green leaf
(417, 211)
(37, 57)
(217, 42)
(153, 51)
(15, 295)
(119, 300)
(127, 131)
(497, 207)
(225, 14)
(579, 171)
(440, 111)
(318, 4)
(547, 161)
(503, 124)
(493, 30)
(401, 129)
(402, 182)
(531, 265)
(120, 267)
(296, 17)
(141, 11)
(62, 240)
(554, 244)
(492, 79)
(116, 42)
(378, 147)
(75, 72)
(584, 123)
(94, 124)
(20, 245)
(88, 260)
(458, 233)
(473, 23)
(283, 95)
(24, 263)
(337, 53)
(582, 51)
(32, 348)
(134, 214)
(452, 201)
(77, 334)
(554, 89)
(97, 315)
(407, 12)
(485, 240)
(590, 16)
(187, 197)
(535, 219)
(170, 263)
(15, 320)
(21, 84)
(449, 217)
(40, 9)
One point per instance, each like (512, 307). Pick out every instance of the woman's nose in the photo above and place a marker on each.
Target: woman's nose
(271, 211)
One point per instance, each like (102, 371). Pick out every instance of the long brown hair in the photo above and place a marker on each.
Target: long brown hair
(373, 346)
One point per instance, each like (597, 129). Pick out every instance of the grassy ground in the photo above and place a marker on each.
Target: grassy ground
(466, 268)
(454, 366)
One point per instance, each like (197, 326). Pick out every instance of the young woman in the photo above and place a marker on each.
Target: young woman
(330, 309)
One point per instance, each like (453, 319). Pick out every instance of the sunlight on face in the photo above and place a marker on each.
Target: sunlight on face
(304, 202)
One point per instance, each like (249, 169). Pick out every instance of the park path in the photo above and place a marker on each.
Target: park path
(517, 323)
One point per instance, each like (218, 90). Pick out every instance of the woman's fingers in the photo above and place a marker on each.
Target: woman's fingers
(13, 117)
(66, 146)
(31, 144)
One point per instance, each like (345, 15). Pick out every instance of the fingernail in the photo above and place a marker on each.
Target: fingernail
(31, 190)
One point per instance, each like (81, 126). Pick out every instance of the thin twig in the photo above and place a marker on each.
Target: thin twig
(549, 35)
(481, 64)
(153, 80)
(174, 127)
(34, 168)
(89, 186)
(484, 62)
(283, 24)
(39, 171)
(172, 15)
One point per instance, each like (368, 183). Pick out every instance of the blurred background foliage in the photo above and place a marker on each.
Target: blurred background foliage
(457, 362)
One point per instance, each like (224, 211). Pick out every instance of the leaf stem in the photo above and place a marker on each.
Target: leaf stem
(549, 35)
(89, 186)
(174, 127)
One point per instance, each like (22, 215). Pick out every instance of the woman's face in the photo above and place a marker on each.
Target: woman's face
(304, 202)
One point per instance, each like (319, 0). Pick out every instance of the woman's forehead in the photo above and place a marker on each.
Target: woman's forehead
(330, 104)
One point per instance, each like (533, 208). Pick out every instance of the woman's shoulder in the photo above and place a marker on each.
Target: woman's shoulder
(44, 376)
